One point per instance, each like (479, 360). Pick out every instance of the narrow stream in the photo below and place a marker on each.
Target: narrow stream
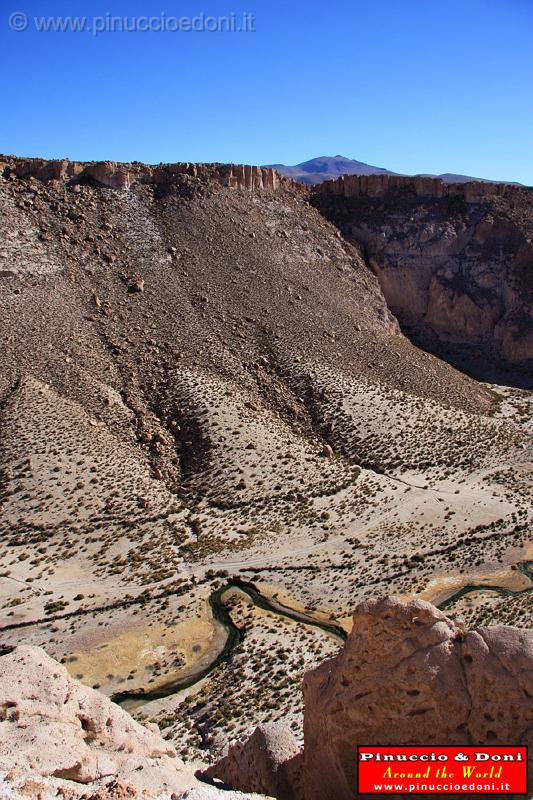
(234, 636)
(525, 566)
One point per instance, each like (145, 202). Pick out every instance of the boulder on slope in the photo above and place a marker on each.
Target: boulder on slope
(268, 762)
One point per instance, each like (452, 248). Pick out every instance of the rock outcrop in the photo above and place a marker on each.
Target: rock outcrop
(410, 675)
(269, 762)
(407, 675)
(57, 734)
(123, 176)
(245, 176)
(421, 185)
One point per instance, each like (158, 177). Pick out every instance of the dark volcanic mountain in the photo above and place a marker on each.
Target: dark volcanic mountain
(327, 168)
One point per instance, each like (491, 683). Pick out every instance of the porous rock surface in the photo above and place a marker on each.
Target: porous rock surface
(269, 761)
(59, 738)
(410, 675)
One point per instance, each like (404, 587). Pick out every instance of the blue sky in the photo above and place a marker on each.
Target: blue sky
(413, 85)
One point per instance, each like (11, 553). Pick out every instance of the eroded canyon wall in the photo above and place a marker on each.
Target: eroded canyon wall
(454, 261)
(123, 176)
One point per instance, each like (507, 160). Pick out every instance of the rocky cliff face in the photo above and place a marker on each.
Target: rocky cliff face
(419, 185)
(124, 176)
(454, 260)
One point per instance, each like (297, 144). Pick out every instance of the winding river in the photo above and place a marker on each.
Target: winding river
(234, 636)
(526, 567)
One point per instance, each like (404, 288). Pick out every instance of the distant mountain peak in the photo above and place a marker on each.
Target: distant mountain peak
(326, 168)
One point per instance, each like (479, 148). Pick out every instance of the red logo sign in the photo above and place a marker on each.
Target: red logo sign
(441, 770)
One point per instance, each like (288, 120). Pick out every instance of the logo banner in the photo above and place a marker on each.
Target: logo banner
(442, 770)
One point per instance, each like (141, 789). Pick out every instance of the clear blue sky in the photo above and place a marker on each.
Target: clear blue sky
(413, 85)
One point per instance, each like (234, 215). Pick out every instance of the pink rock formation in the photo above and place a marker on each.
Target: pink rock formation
(44, 170)
(55, 727)
(14, 787)
(107, 173)
(268, 762)
(249, 177)
(57, 734)
(409, 675)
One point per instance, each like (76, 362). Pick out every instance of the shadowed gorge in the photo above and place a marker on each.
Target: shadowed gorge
(454, 262)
